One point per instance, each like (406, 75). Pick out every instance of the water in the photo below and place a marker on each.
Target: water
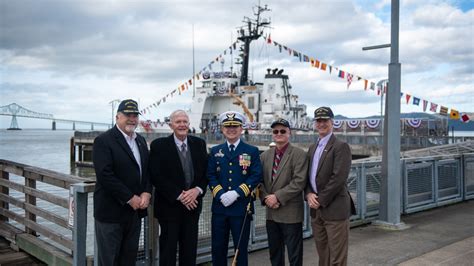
(41, 148)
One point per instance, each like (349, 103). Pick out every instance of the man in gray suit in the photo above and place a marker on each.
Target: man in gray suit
(327, 193)
(284, 179)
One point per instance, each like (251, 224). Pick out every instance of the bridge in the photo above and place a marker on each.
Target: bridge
(14, 110)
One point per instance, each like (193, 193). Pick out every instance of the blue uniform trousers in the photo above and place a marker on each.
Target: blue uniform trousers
(221, 225)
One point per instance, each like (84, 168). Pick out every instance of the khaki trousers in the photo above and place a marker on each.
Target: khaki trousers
(331, 238)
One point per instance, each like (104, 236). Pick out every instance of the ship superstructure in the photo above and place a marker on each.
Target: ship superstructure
(261, 102)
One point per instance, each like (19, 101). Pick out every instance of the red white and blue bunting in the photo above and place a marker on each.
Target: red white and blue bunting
(372, 123)
(413, 122)
(353, 123)
(337, 124)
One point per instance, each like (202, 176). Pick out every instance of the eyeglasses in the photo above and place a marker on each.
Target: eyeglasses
(282, 131)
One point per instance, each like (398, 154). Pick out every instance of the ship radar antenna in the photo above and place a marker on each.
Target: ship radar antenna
(251, 30)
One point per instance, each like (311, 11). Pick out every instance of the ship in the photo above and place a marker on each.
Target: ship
(261, 102)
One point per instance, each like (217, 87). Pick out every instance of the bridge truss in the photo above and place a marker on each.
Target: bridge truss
(14, 110)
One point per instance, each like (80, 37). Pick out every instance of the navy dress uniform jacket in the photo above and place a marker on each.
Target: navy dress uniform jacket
(240, 171)
(118, 176)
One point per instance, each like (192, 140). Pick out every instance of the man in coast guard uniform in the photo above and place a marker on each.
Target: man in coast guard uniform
(234, 170)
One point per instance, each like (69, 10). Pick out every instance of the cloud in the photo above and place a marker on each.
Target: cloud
(77, 56)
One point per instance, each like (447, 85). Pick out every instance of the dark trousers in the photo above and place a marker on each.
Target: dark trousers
(221, 226)
(289, 235)
(332, 240)
(117, 243)
(183, 233)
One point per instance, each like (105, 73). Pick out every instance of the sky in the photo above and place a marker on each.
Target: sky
(73, 58)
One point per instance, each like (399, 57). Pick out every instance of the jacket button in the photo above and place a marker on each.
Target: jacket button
(230, 188)
(230, 179)
(230, 164)
(230, 171)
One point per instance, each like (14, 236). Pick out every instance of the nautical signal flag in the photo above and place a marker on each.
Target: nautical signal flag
(341, 74)
(443, 110)
(454, 115)
(465, 118)
(323, 66)
(408, 97)
(416, 100)
(349, 80)
(433, 107)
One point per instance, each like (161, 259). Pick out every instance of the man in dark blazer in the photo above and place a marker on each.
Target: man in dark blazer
(285, 169)
(178, 166)
(234, 170)
(123, 189)
(327, 192)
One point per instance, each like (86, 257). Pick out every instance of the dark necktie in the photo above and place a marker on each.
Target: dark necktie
(231, 146)
(183, 149)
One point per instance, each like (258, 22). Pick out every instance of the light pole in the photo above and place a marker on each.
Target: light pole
(113, 103)
(390, 190)
(381, 85)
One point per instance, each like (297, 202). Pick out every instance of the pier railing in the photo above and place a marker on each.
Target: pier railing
(38, 215)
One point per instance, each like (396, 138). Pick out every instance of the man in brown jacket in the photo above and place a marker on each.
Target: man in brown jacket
(327, 193)
(284, 179)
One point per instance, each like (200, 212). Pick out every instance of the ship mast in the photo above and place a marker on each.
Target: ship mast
(252, 30)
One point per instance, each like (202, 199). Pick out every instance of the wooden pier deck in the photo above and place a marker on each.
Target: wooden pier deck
(12, 256)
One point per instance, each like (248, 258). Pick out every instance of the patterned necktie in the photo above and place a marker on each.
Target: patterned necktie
(276, 162)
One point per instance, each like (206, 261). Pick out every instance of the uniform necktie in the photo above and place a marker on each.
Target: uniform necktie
(231, 146)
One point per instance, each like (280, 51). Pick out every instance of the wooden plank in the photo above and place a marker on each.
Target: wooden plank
(14, 258)
(9, 231)
(13, 169)
(30, 183)
(11, 200)
(4, 191)
(63, 202)
(36, 210)
(43, 251)
(20, 219)
(52, 217)
(52, 177)
(58, 238)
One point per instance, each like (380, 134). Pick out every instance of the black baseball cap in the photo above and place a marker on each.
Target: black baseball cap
(323, 113)
(280, 121)
(128, 106)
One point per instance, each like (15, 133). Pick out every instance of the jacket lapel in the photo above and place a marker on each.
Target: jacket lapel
(142, 148)
(325, 151)
(173, 152)
(194, 156)
(283, 161)
(123, 143)
(269, 166)
(311, 151)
